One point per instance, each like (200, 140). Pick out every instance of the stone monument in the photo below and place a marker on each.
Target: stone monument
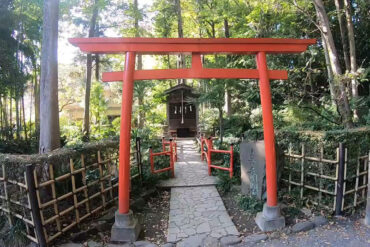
(253, 173)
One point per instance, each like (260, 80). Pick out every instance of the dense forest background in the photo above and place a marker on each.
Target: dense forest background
(328, 86)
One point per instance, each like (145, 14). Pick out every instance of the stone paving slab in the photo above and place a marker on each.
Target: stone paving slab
(198, 210)
(189, 170)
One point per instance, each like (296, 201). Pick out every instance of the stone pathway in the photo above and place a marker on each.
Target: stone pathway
(196, 208)
(189, 170)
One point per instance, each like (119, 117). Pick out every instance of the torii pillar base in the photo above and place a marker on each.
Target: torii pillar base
(270, 219)
(126, 228)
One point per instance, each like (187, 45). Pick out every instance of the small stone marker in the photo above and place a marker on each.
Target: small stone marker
(252, 159)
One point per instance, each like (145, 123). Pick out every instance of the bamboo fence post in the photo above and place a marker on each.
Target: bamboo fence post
(86, 194)
(54, 195)
(302, 169)
(35, 209)
(101, 180)
(321, 172)
(75, 199)
(340, 180)
(6, 196)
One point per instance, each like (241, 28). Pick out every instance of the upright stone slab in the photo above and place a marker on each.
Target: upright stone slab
(367, 216)
(253, 173)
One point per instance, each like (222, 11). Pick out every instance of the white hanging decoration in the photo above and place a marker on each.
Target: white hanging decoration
(186, 109)
(175, 109)
(191, 109)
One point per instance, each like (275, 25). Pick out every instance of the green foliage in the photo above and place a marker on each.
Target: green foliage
(225, 183)
(250, 204)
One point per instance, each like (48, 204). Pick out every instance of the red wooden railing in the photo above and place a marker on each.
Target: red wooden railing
(171, 152)
(208, 143)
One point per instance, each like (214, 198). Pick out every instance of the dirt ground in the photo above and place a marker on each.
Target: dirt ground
(155, 216)
(243, 221)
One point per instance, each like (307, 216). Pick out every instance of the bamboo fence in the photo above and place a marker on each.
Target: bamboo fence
(326, 182)
(81, 185)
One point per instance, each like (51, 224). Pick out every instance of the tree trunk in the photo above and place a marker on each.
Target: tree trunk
(221, 123)
(228, 108)
(352, 51)
(339, 8)
(339, 87)
(17, 119)
(11, 116)
(86, 127)
(36, 93)
(49, 111)
(24, 119)
(181, 58)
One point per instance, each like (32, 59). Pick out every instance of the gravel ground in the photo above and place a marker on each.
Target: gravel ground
(342, 232)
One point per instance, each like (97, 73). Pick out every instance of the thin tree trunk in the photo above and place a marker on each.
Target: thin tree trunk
(339, 8)
(339, 88)
(49, 111)
(352, 52)
(228, 108)
(17, 119)
(181, 58)
(6, 123)
(24, 119)
(221, 123)
(36, 93)
(11, 116)
(86, 127)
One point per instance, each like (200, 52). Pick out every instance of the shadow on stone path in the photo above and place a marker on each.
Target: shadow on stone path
(197, 212)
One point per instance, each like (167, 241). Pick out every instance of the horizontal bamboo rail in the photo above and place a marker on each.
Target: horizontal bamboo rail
(82, 184)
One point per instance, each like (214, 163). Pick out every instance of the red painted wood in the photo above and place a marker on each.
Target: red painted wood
(203, 46)
(162, 74)
(125, 135)
(268, 130)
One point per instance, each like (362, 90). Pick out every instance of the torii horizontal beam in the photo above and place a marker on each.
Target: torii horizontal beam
(195, 72)
(190, 45)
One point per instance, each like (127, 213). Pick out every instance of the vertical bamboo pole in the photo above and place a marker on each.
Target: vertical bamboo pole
(54, 195)
(340, 180)
(302, 169)
(6, 195)
(75, 200)
(321, 172)
(86, 192)
(101, 180)
(35, 209)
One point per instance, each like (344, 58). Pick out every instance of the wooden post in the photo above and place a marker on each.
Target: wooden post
(268, 129)
(35, 209)
(125, 135)
(340, 180)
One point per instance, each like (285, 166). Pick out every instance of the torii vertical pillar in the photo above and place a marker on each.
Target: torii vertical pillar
(270, 218)
(126, 227)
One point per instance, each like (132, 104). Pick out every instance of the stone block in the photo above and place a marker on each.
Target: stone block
(303, 226)
(270, 219)
(126, 228)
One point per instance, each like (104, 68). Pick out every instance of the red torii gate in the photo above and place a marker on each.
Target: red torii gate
(270, 219)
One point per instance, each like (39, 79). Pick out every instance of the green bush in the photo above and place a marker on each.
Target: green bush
(250, 204)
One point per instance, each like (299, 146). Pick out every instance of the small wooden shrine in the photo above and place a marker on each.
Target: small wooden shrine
(182, 112)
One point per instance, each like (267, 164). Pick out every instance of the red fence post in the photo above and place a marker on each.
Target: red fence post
(172, 165)
(201, 148)
(125, 134)
(209, 154)
(231, 160)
